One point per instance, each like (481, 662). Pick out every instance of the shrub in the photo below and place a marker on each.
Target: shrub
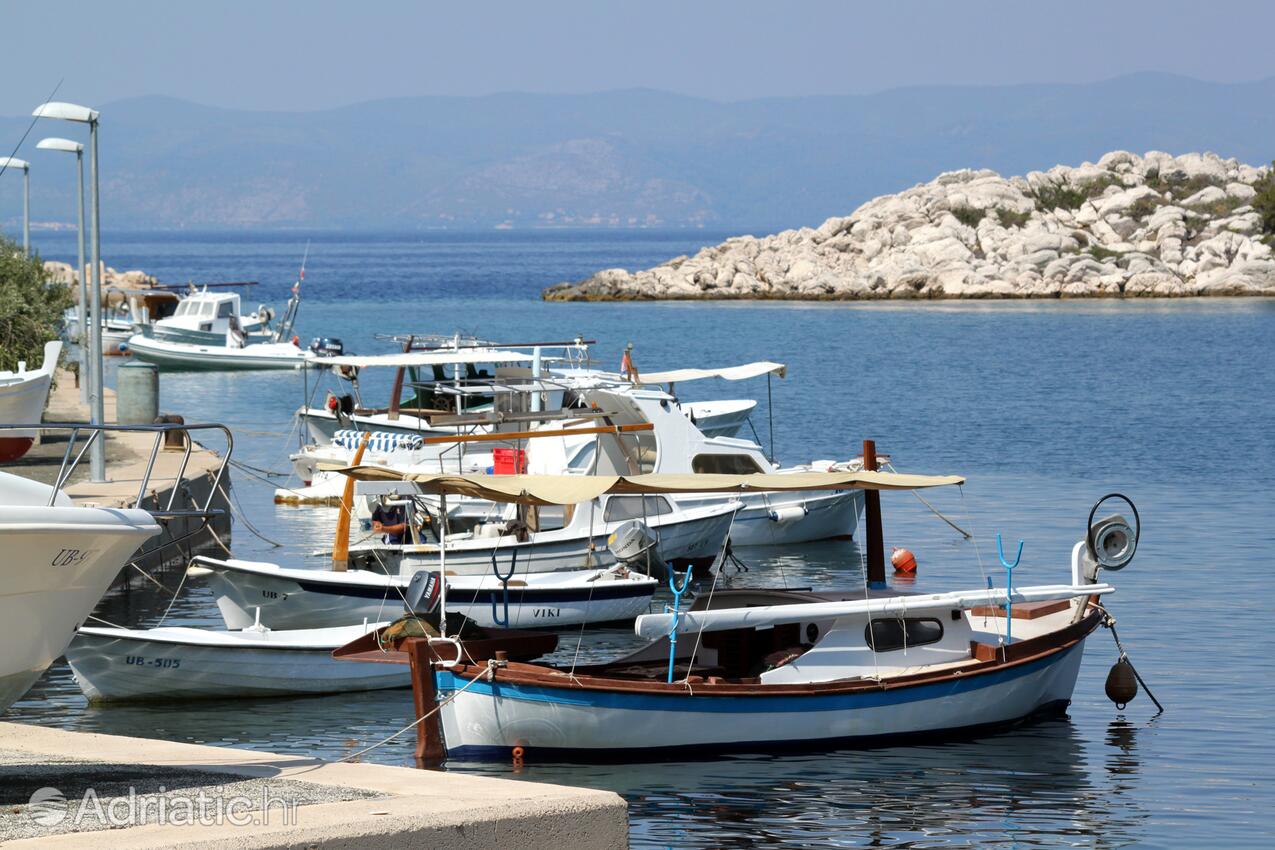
(1011, 218)
(1102, 254)
(30, 307)
(969, 216)
(1059, 194)
(1143, 207)
(1264, 201)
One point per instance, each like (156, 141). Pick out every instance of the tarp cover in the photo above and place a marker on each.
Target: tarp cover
(730, 373)
(426, 358)
(573, 489)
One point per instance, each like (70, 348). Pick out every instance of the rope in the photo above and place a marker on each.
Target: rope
(699, 635)
(1110, 622)
(967, 535)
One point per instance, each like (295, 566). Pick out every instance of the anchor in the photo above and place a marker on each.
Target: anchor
(677, 613)
(1009, 585)
(504, 584)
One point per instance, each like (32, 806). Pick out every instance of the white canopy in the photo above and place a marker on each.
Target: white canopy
(426, 358)
(729, 373)
(653, 626)
(574, 489)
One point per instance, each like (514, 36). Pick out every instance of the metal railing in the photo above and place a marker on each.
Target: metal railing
(160, 431)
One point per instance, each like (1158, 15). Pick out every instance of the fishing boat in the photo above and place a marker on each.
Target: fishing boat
(781, 670)
(23, 394)
(60, 557)
(177, 663)
(207, 334)
(293, 598)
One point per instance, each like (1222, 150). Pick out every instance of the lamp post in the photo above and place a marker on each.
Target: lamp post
(68, 146)
(84, 115)
(13, 162)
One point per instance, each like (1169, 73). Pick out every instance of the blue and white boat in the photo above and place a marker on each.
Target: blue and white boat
(749, 670)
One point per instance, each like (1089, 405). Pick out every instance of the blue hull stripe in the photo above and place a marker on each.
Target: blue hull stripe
(517, 595)
(674, 703)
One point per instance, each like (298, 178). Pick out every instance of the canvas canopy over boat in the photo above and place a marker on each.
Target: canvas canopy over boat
(757, 669)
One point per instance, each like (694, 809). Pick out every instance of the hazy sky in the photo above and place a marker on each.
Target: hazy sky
(268, 54)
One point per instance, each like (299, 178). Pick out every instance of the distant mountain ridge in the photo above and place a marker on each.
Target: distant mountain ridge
(612, 159)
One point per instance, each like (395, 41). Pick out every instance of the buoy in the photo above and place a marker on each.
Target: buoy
(333, 404)
(904, 561)
(518, 753)
(1122, 684)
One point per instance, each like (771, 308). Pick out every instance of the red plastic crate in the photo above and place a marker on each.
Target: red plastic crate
(509, 461)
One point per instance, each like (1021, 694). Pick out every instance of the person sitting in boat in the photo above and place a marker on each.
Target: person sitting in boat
(235, 337)
(390, 521)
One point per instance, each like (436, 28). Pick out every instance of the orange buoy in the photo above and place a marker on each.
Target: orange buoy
(904, 561)
(518, 753)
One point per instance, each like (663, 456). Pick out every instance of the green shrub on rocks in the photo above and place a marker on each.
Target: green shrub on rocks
(1011, 218)
(1059, 194)
(969, 216)
(30, 307)
(1264, 202)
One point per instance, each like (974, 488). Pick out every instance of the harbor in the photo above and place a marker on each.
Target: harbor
(410, 438)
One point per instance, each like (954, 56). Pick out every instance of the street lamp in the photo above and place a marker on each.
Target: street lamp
(68, 146)
(11, 162)
(84, 115)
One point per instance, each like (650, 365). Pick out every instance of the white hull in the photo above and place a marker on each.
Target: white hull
(180, 663)
(303, 599)
(22, 399)
(58, 562)
(180, 355)
(786, 518)
(488, 720)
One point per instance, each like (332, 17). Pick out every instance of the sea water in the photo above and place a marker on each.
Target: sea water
(1043, 406)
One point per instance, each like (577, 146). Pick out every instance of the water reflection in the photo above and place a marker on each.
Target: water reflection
(1031, 783)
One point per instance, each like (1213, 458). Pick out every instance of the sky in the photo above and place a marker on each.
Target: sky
(290, 55)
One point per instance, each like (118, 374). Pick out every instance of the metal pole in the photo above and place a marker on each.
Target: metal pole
(80, 272)
(97, 459)
(26, 211)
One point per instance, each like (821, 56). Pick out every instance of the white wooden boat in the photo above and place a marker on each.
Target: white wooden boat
(221, 357)
(779, 670)
(175, 663)
(290, 598)
(23, 395)
(59, 559)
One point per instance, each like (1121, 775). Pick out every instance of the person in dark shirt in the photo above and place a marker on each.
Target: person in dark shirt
(389, 520)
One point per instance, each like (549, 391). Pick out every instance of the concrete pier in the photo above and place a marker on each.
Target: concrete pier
(307, 803)
(126, 457)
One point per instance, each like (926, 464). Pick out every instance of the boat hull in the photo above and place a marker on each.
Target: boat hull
(292, 599)
(109, 666)
(488, 719)
(214, 358)
(788, 518)
(22, 399)
(58, 562)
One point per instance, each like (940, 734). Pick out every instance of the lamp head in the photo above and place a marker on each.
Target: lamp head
(14, 162)
(66, 112)
(55, 144)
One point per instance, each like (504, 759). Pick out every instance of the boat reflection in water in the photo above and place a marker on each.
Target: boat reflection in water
(954, 793)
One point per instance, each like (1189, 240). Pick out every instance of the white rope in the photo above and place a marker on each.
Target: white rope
(489, 675)
(699, 635)
(982, 570)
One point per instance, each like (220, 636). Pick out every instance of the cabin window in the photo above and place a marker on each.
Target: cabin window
(724, 464)
(225, 309)
(889, 635)
(206, 309)
(631, 507)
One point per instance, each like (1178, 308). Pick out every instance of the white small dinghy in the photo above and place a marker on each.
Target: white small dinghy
(169, 663)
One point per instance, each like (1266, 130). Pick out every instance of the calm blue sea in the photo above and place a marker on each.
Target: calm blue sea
(1043, 406)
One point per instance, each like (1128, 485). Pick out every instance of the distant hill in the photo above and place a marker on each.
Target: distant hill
(621, 158)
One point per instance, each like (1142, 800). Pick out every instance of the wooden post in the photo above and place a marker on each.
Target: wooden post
(397, 391)
(430, 749)
(341, 544)
(872, 518)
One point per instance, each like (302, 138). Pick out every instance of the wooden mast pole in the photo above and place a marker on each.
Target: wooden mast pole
(872, 519)
(341, 545)
(397, 391)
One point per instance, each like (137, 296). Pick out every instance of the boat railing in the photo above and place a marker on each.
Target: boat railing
(71, 458)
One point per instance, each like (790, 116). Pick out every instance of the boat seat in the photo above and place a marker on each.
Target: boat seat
(1024, 610)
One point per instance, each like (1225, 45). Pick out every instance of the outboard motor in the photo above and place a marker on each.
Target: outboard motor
(633, 545)
(327, 346)
(422, 593)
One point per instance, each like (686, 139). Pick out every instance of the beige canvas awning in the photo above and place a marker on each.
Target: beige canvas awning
(574, 489)
(729, 373)
(444, 357)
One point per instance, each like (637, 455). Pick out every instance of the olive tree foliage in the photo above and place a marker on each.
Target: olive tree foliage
(31, 307)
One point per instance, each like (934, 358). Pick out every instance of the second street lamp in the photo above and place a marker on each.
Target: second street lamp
(84, 115)
(68, 146)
